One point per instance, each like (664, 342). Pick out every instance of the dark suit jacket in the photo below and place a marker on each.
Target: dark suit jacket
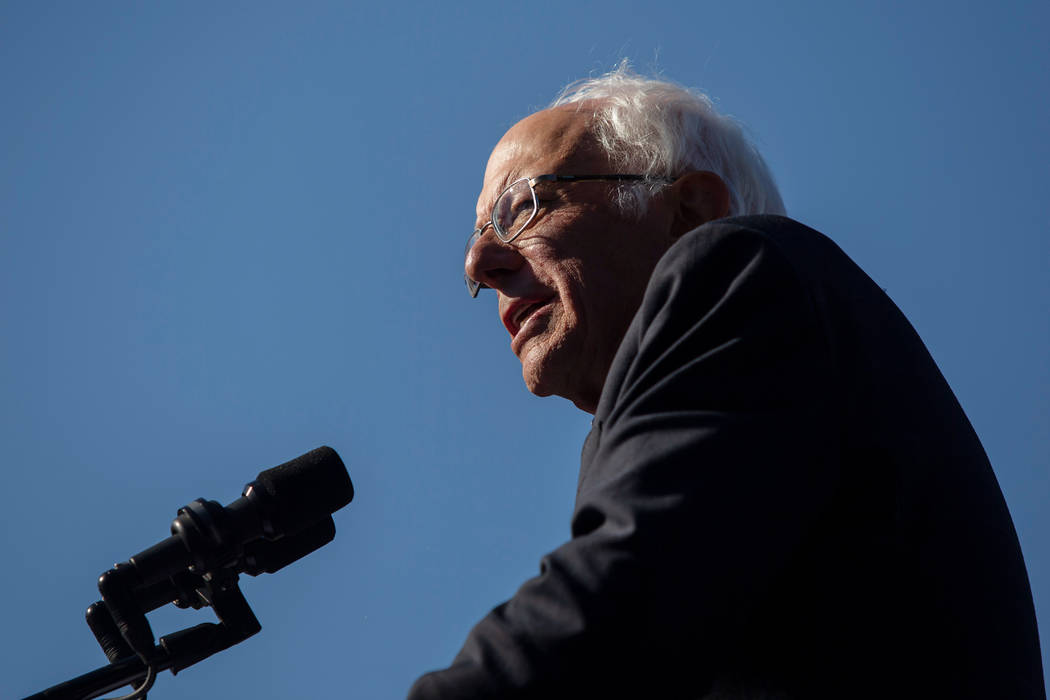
(780, 497)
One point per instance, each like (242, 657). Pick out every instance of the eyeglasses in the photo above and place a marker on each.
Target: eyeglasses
(516, 207)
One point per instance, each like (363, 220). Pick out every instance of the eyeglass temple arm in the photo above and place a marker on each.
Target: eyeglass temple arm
(576, 178)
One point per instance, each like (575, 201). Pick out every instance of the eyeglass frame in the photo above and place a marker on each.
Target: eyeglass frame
(474, 287)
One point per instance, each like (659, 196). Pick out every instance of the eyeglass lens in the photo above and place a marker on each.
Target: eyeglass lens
(472, 286)
(514, 209)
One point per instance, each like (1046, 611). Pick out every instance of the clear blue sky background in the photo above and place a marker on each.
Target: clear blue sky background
(231, 232)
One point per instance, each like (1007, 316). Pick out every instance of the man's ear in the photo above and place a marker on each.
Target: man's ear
(699, 196)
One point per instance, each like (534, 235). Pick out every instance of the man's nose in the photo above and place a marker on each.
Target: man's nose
(491, 262)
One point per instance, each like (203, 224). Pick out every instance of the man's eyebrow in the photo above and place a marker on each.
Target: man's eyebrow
(509, 177)
(504, 183)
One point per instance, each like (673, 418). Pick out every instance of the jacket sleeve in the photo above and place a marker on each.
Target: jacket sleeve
(712, 456)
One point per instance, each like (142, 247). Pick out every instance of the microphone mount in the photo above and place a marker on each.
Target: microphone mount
(274, 523)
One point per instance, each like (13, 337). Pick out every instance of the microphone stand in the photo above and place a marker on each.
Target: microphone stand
(176, 651)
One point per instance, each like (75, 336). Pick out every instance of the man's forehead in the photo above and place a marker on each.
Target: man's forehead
(544, 141)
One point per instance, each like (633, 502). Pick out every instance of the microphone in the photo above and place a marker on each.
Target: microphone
(281, 502)
(281, 516)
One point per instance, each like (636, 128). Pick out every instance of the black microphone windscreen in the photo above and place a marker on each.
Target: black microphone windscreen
(306, 488)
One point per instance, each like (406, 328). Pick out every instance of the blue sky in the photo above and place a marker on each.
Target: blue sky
(232, 232)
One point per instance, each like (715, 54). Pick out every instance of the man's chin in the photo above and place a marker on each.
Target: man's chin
(534, 382)
(548, 372)
(542, 379)
(539, 375)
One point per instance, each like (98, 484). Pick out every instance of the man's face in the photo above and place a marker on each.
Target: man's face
(569, 285)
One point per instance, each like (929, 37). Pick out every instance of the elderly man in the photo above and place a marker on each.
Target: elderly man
(780, 496)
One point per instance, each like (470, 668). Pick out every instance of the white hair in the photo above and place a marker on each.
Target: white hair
(659, 129)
